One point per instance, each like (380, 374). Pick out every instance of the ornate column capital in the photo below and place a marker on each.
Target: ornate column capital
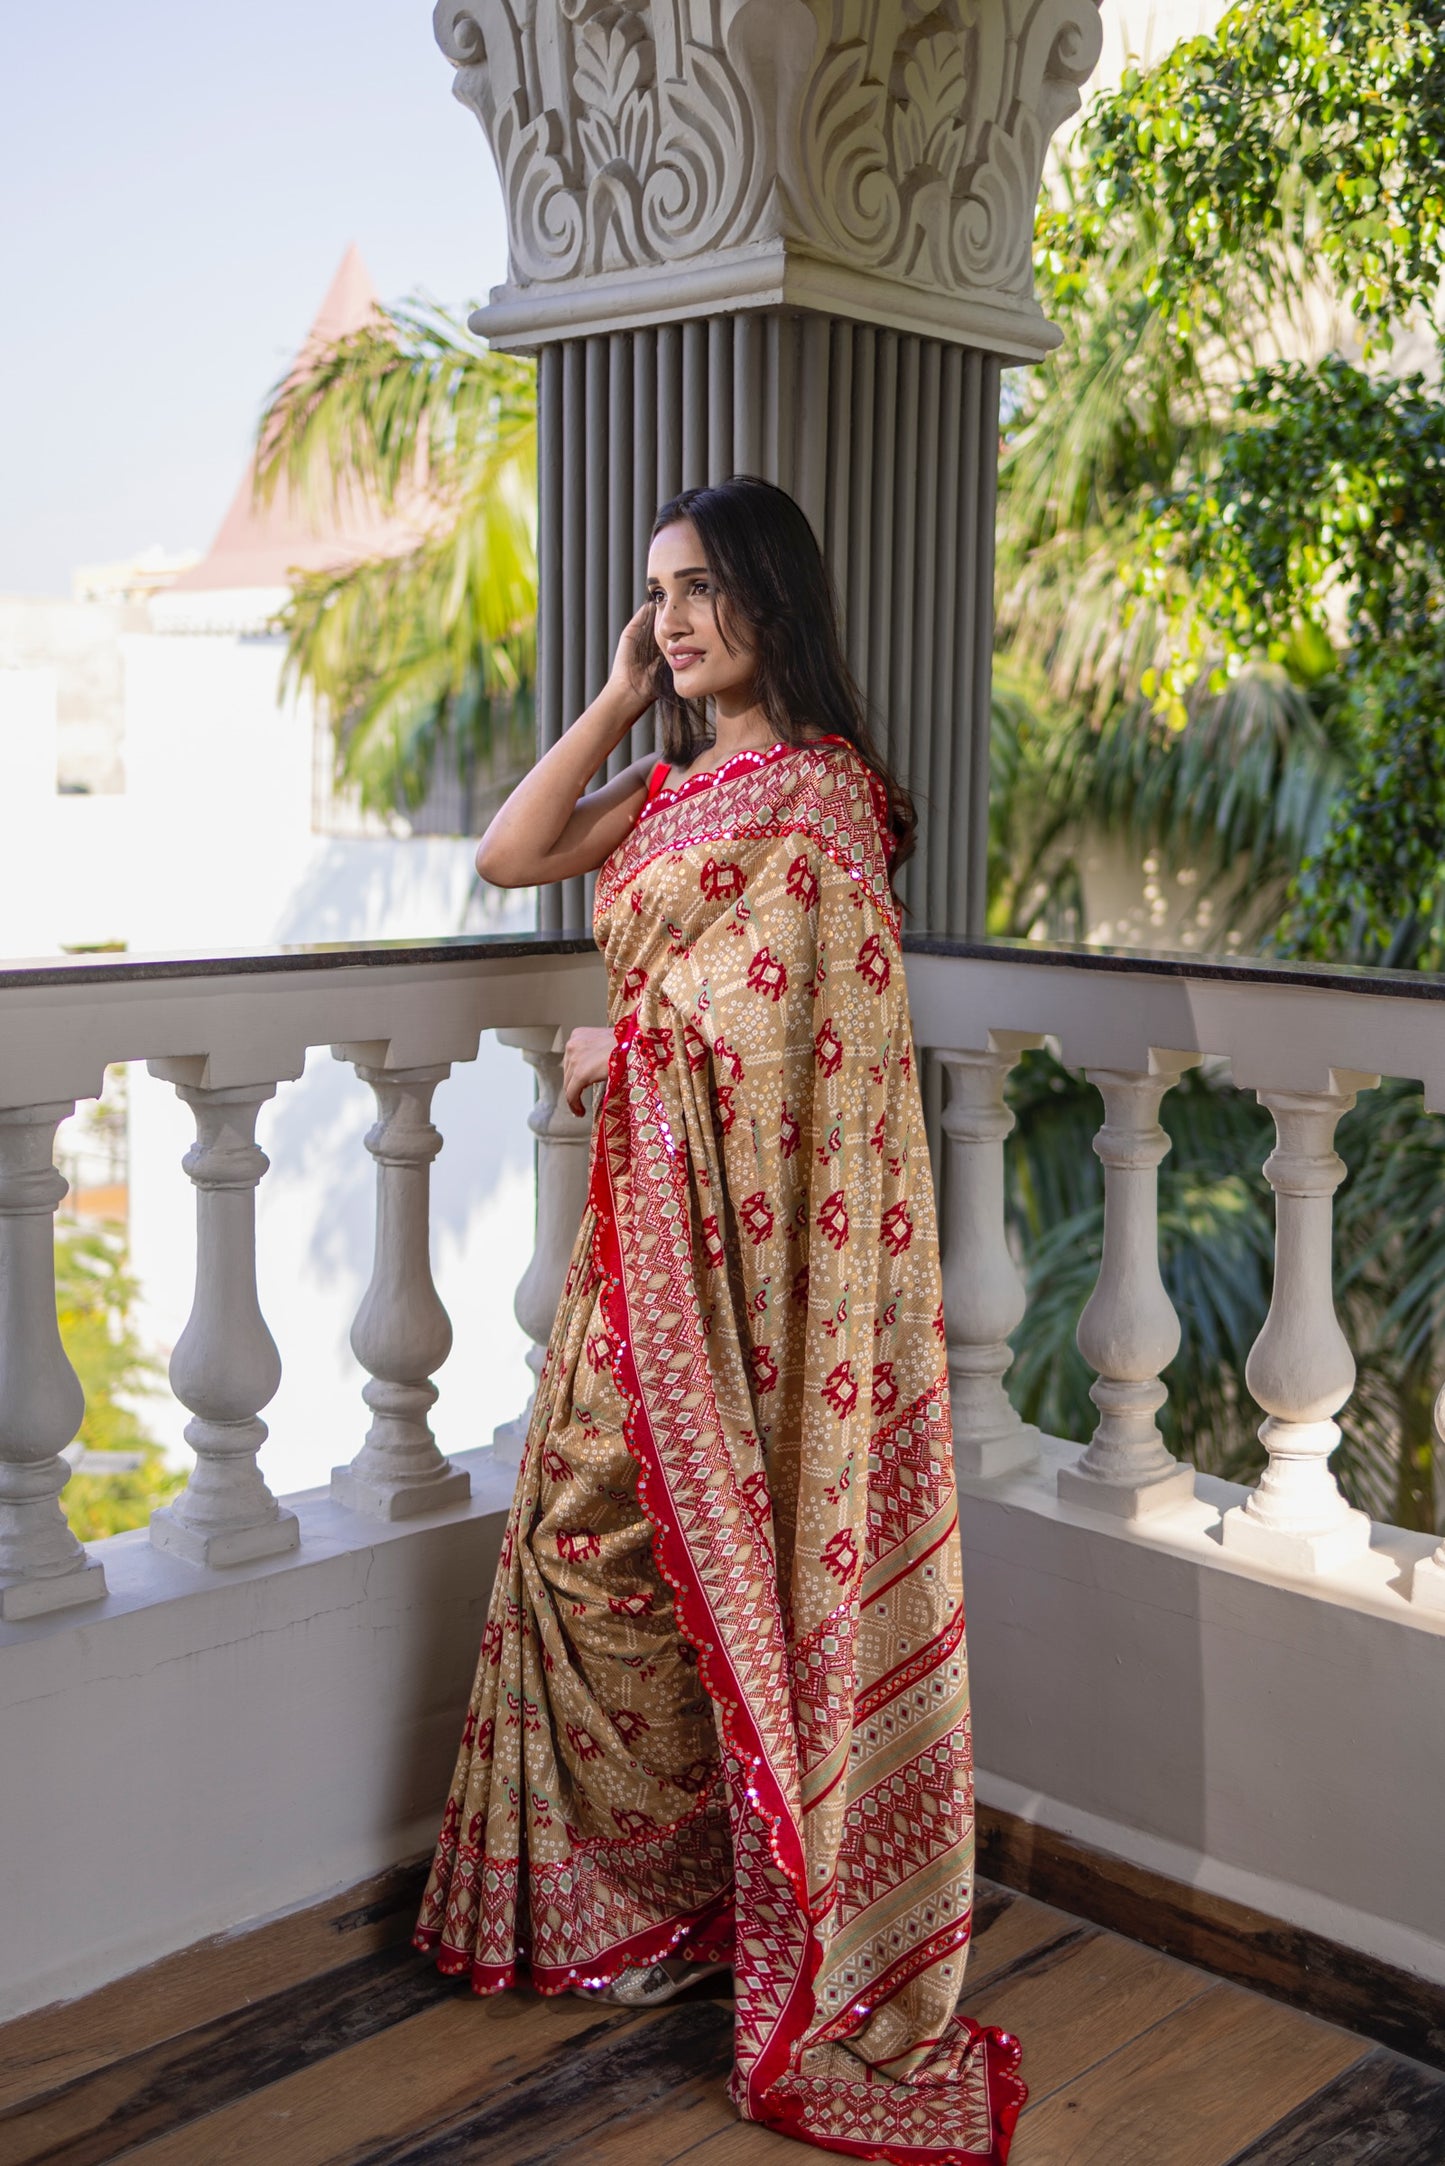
(872, 159)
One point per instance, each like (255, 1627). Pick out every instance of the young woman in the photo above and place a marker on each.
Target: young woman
(721, 1713)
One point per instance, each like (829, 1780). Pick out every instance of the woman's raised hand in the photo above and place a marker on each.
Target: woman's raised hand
(631, 676)
(585, 1059)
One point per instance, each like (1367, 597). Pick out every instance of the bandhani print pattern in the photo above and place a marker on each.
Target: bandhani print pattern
(722, 1706)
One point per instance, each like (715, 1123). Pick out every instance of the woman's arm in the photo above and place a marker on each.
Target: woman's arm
(548, 829)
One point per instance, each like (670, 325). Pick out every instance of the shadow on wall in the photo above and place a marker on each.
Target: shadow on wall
(375, 889)
(371, 888)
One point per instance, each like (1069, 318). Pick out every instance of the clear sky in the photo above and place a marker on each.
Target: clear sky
(178, 183)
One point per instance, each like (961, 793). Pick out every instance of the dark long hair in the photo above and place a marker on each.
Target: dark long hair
(771, 581)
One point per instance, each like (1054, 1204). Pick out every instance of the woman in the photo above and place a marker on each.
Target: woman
(721, 1714)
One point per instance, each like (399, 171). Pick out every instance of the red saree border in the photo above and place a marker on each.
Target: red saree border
(611, 884)
(736, 763)
(767, 2083)
(763, 756)
(1007, 2094)
(703, 1935)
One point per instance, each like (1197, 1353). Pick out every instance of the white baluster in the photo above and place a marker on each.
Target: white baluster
(42, 1566)
(1300, 1368)
(562, 1163)
(983, 1294)
(402, 1334)
(1129, 1331)
(1427, 1580)
(225, 1366)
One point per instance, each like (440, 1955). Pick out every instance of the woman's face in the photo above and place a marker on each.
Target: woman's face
(685, 621)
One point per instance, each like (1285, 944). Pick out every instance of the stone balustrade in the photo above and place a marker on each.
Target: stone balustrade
(1306, 1041)
(229, 1033)
(302, 1662)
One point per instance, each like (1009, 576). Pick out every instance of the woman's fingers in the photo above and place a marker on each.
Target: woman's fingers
(636, 650)
(585, 1061)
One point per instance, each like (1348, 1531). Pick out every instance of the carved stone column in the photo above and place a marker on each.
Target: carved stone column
(562, 1161)
(402, 1334)
(225, 1366)
(42, 1566)
(793, 240)
(1300, 1368)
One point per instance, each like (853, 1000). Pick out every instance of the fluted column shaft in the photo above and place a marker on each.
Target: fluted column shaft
(1129, 1331)
(983, 1294)
(889, 442)
(1300, 1368)
(562, 1163)
(42, 1566)
(402, 1333)
(225, 1366)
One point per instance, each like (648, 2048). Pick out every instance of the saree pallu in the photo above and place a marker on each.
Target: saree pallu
(722, 1709)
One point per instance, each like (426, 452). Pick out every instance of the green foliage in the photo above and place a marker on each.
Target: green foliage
(1302, 148)
(1222, 636)
(1234, 774)
(1329, 499)
(1316, 126)
(95, 1299)
(435, 643)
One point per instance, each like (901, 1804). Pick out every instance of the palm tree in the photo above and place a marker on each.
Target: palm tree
(435, 646)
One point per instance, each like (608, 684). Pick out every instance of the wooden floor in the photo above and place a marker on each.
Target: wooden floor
(322, 2040)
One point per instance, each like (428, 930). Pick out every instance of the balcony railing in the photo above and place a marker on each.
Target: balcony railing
(1155, 1651)
(227, 1032)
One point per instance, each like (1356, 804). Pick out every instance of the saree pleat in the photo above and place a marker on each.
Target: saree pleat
(722, 1702)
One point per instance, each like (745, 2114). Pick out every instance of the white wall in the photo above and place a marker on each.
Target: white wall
(215, 1747)
(1279, 1742)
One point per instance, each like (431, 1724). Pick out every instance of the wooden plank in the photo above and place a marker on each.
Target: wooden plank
(56, 2045)
(1075, 2002)
(1192, 2090)
(94, 2119)
(699, 2121)
(439, 2065)
(1385, 2111)
(577, 2097)
(1229, 1939)
(673, 2128)
(742, 2143)
(1004, 1934)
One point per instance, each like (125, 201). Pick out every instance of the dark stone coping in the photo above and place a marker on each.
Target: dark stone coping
(1169, 963)
(123, 969)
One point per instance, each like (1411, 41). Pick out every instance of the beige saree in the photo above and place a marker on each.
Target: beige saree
(722, 1703)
